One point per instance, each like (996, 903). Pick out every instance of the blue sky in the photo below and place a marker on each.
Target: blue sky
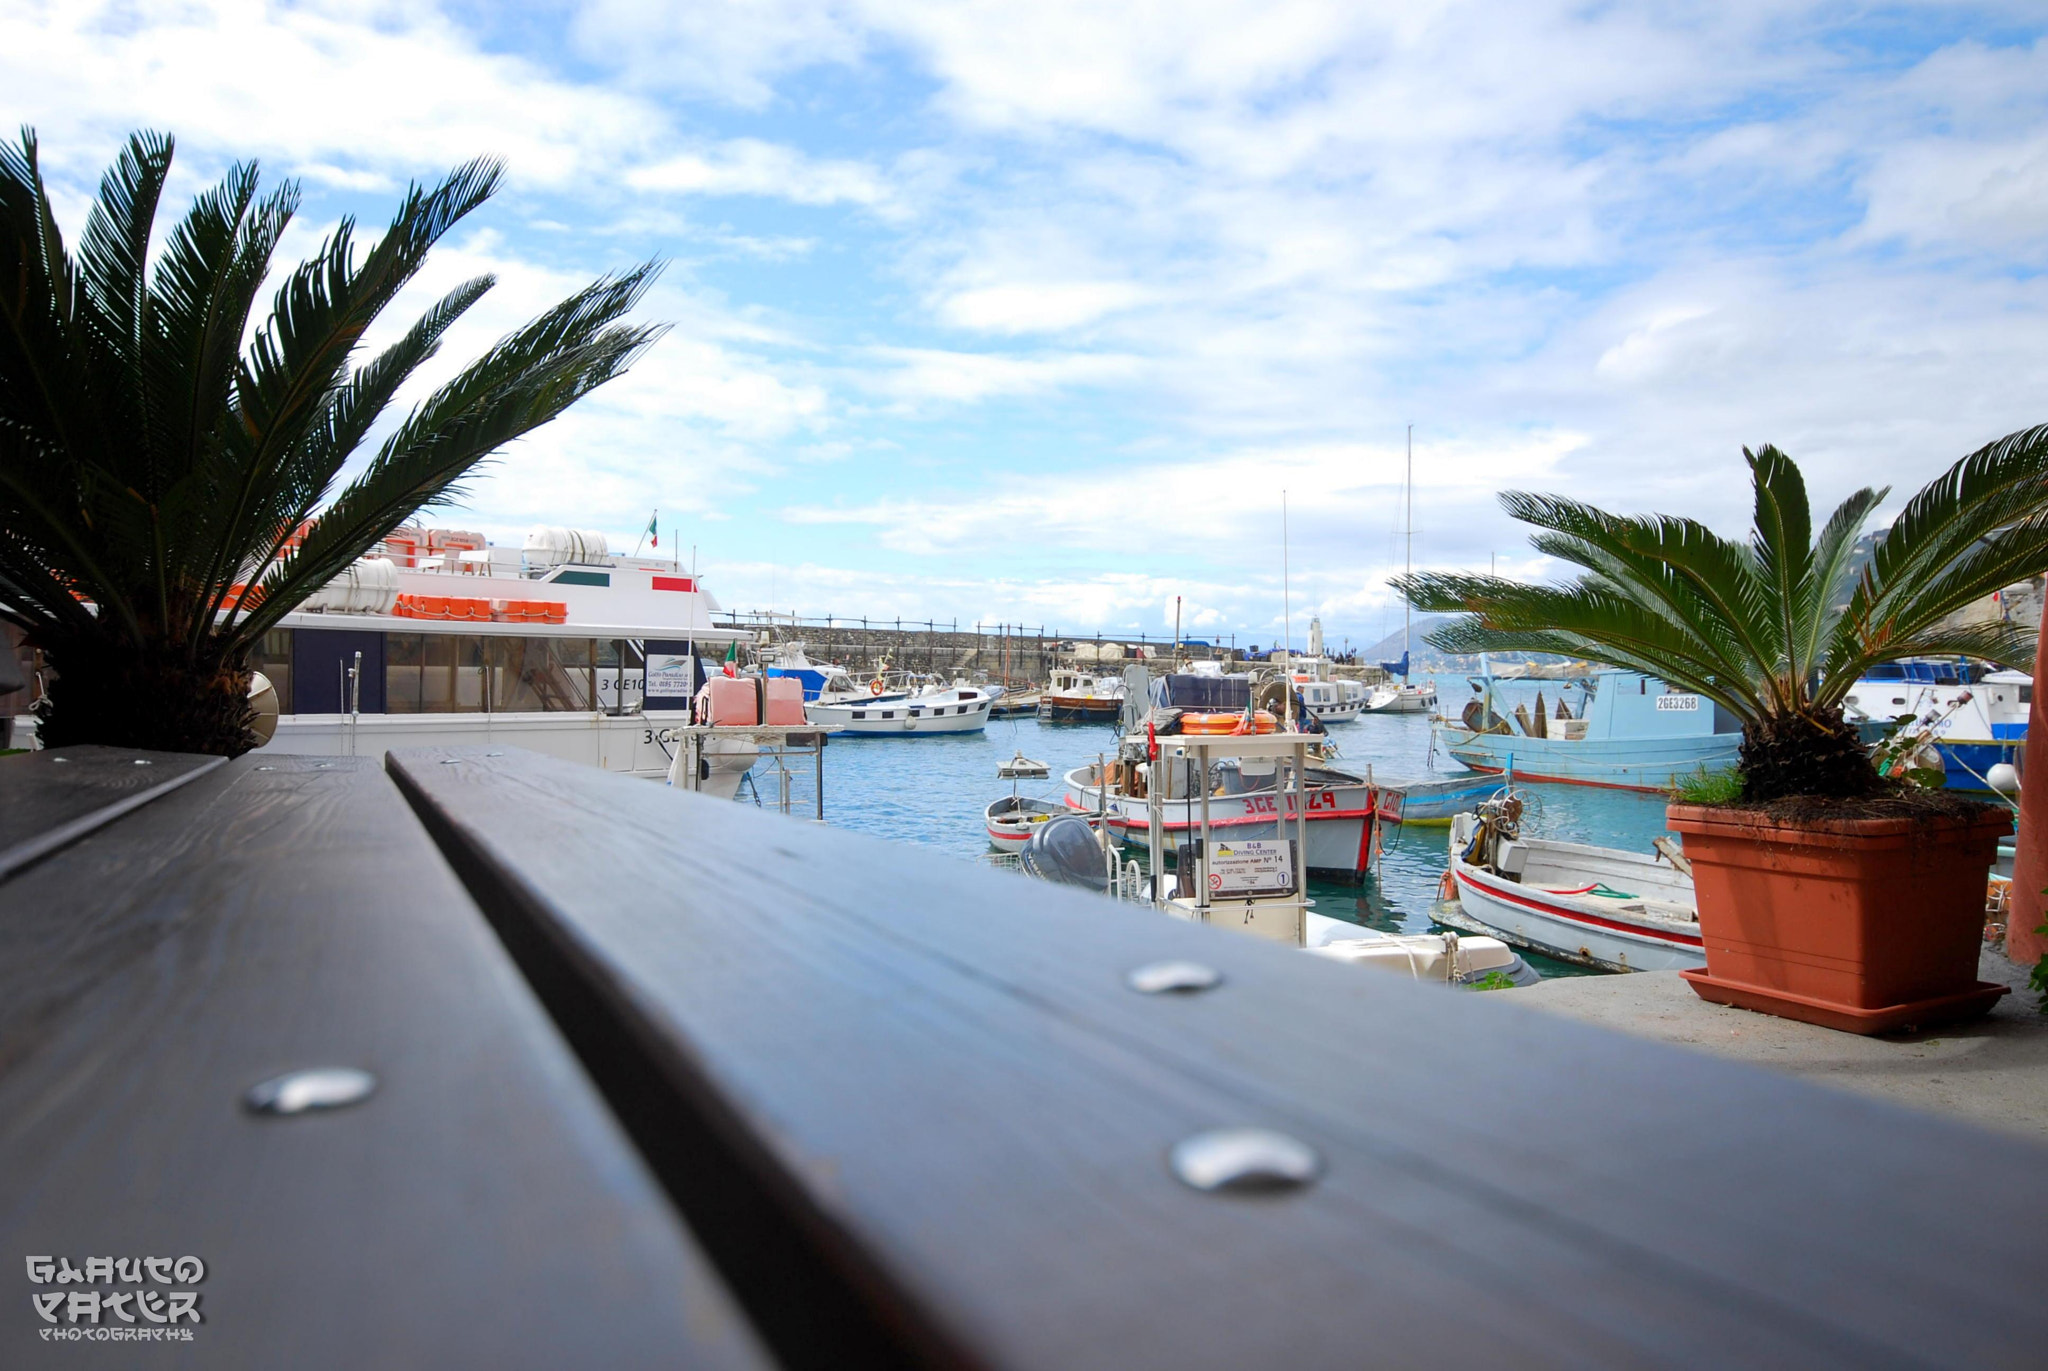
(1031, 312)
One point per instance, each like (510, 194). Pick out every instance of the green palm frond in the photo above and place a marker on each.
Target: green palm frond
(1781, 629)
(161, 442)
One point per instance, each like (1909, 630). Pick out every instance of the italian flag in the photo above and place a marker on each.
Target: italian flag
(653, 532)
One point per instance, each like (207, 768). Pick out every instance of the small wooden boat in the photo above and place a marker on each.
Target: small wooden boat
(1596, 906)
(1012, 820)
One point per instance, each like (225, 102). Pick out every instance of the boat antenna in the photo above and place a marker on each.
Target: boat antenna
(1176, 630)
(1286, 617)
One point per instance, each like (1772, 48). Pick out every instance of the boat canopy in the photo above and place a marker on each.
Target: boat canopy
(1210, 694)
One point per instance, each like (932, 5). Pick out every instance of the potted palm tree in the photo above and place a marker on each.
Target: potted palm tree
(1827, 892)
(169, 473)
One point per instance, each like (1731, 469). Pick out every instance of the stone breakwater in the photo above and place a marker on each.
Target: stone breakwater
(1018, 657)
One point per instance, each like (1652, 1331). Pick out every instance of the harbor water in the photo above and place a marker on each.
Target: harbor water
(932, 791)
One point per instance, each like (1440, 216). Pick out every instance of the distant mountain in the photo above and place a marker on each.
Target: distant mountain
(1388, 649)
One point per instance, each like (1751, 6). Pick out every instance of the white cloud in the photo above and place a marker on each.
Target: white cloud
(915, 374)
(748, 166)
(729, 49)
(342, 94)
(1038, 308)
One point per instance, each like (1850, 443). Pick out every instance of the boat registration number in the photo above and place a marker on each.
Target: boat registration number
(1258, 866)
(1688, 704)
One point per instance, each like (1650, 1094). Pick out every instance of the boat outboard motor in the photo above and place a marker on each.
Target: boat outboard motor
(1065, 852)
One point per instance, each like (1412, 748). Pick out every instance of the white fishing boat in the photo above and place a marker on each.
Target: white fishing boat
(1325, 700)
(439, 639)
(1320, 694)
(1259, 886)
(1073, 696)
(934, 710)
(1255, 886)
(1237, 793)
(1596, 906)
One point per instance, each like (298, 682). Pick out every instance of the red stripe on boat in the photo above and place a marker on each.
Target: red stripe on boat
(1580, 916)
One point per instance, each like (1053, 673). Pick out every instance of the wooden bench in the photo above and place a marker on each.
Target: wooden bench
(842, 1102)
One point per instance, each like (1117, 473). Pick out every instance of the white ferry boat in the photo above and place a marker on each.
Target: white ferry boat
(439, 639)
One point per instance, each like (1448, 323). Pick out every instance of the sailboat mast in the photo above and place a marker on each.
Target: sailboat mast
(1286, 615)
(1407, 608)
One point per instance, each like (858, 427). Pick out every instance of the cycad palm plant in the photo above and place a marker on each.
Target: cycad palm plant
(157, 453)
(1777, 630)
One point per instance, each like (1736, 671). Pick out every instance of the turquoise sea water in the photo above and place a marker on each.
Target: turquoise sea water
(932, 790)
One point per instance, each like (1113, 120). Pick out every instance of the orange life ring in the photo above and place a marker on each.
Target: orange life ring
(876, 687)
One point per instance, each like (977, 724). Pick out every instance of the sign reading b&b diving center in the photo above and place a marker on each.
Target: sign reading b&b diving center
(1263, 866)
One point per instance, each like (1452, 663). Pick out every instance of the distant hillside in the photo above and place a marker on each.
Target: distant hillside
(1388, 649)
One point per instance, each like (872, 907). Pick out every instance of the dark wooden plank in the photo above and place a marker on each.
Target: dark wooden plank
(480, 1209)
(48, 799)
(938, 1071)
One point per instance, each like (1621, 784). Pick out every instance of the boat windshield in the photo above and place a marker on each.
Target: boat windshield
(1218, 694)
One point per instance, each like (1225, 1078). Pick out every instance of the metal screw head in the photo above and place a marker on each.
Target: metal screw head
(142, 761)
(450, 761)
(266, 768)
(297, 1092)
(55, 760)
(1244, 1159)
(1161, 978)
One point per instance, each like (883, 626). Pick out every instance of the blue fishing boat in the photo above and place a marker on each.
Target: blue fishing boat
(1632, 732)
(788, 659)
(1972, 716)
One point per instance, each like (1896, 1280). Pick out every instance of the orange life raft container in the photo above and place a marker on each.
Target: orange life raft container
(1224, 725)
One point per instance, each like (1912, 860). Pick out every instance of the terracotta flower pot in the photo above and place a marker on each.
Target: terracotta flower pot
(1863, 925)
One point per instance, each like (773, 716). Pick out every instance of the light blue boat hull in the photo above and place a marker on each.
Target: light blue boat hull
(1433, 801)
(1621, 763)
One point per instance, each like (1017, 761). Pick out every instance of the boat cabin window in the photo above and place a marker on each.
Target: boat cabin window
(621, 675)
(447, 673)
(433, 673)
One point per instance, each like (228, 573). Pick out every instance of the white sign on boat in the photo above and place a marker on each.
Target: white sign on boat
(670, 675)
(1255, 866)
(1687, 704)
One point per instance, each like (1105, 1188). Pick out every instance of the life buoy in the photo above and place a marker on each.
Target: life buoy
(875, 687)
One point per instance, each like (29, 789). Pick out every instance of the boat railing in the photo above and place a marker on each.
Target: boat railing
(626, 1077)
